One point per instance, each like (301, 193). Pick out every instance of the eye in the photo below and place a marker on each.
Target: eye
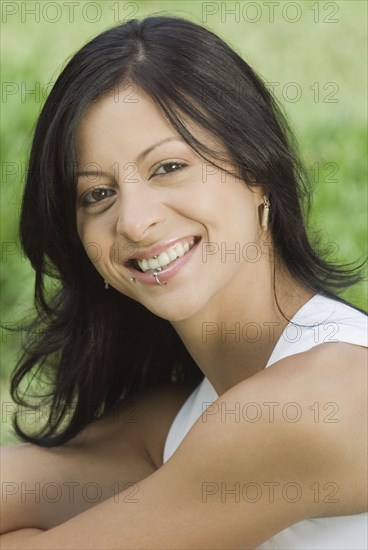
(169, 167)
(96, 195)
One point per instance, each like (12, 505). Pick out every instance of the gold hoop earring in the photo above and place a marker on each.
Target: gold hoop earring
(266, 211)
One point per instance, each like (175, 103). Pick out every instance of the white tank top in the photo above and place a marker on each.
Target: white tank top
(327, 320)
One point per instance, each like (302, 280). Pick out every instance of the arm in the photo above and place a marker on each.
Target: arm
(188, 502)
(43, 487)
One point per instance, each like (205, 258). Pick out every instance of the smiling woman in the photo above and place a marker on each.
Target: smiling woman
(165, 195)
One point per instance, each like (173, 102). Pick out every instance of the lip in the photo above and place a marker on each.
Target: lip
(167, 272)
(158, 248)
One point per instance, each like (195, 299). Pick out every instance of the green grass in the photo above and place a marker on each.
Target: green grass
(326, 61)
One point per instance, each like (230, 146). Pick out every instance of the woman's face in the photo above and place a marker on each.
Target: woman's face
(144, 195)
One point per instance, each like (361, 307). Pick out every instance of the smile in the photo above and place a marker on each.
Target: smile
(168, 261)
(166, 257)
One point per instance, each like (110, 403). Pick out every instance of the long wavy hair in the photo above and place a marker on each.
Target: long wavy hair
(75, 343)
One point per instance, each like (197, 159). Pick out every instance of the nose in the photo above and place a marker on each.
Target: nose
(140, 210)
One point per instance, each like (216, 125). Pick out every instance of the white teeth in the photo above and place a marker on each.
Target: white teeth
(166, 257)
(172, 254)
(179, 248)
(153, 263)
(143, 264)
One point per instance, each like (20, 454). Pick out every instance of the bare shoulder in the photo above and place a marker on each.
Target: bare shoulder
(328, 370)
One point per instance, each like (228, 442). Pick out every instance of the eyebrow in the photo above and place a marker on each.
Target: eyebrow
(139, 158)
(93, 173)
(146, 152)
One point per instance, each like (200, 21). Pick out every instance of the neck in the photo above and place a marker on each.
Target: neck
(233, 338)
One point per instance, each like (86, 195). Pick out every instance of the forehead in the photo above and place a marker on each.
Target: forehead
(127, 121)
(121, 115)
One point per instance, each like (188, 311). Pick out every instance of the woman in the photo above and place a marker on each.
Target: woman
(207, 381)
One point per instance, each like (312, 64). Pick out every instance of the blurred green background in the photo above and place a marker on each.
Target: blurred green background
(312, 53)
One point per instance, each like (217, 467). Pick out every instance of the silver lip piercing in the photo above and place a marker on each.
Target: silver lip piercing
(155, 274)
(132, 279)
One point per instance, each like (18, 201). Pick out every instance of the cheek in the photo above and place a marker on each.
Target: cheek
(228, 205)
(93, 238)
(238, 205)
(85, 232)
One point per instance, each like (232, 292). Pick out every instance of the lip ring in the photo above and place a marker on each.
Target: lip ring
(155, 274)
